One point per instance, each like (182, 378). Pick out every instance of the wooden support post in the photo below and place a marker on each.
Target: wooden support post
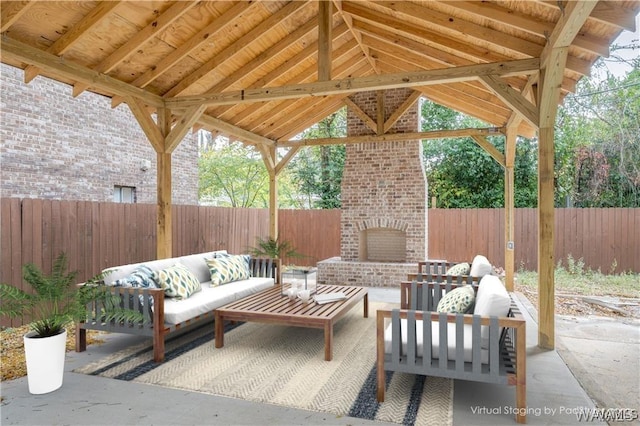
(325, 24)
(273, 194)
(549, 95)
(509, 210)
(165, 239)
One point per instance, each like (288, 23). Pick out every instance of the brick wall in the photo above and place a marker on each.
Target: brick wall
(55, 146)
(383, 186)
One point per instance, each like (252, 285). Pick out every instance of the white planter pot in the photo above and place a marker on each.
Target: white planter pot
(45, 361)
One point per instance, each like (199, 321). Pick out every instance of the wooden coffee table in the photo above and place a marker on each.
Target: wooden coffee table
(268, 306)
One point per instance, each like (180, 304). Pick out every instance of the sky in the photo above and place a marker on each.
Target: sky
(625, 38)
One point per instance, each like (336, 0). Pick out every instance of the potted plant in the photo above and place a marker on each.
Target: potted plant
(55, 302)
(270, 247)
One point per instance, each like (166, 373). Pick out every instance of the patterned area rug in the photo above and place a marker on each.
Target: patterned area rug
(285, 366)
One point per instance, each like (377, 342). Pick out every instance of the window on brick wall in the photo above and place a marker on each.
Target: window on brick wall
(124, 194)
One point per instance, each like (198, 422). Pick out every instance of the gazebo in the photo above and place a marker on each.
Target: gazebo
(262, 71)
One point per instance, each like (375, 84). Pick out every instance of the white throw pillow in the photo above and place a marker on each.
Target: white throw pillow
(480, 267)
(492, 300)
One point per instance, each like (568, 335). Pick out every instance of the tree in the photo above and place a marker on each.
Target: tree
(598, 141)
(318, 169)
(234, 176)
(462, 175)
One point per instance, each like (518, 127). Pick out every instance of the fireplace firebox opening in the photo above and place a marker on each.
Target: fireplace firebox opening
(383, 245)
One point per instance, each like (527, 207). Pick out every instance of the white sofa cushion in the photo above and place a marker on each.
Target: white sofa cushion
(492, 300)
(196, 263)
(480, 267)
(210, 298)
(435, 341)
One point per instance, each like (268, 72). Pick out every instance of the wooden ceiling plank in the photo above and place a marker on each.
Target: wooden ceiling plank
(352, 85)
(295, 60)
(527, 23)
(12, 11)
(301, 114)
(266, 56)
(356, 35)
(428, 52)
(464, 28)
(254, 34)
(607, 13)
(512, 98)
(325, 25)
(18, 51)
(309, 72)
(142, 37)
(430, 37)
(66, 41)
(298, 113)
(399, 112)
(218, 25)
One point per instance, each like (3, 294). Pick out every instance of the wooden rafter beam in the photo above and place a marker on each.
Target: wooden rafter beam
(512, 98)
(490, 149)
(528, 23)
(67, 70)
(133, 44)
(436, 134)
(325, 25)
(352, 85)
(254, 34)
(606, 12)
(433, 40)
(227, 128)
(208, 33)
(356, 35)
(148, 126)
(263, 58)
(368, 121)
(66, 41)
(574, 15)
(399, 112)
(11, 12)
(248, 111)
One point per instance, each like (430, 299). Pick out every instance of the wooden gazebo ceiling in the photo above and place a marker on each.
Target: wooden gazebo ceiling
(174, 54)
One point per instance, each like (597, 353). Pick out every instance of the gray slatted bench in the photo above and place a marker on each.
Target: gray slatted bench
(456, 348)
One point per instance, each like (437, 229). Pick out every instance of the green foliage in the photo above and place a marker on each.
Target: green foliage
(598, 142)
(461, 174)
(57, 300)
(318, 169)
(234, 175)
(268, 247)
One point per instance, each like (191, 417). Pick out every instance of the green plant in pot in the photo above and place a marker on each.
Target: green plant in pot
(274, 248)
(55, 302)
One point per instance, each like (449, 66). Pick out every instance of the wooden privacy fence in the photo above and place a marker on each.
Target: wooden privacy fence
(99, 235)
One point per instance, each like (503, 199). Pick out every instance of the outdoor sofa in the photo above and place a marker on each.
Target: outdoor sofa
(173, 293)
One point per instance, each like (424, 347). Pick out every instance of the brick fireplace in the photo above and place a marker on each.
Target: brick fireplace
(383, 219)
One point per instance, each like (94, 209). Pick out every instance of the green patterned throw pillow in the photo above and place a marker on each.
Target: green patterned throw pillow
(177, 281)
(227, 269)
(459, 269)
(457, 301)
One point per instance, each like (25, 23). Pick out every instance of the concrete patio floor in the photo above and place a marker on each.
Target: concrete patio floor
(603, 354)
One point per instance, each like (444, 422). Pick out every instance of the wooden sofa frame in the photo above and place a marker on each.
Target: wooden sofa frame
(507, 348)
(152, 323)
